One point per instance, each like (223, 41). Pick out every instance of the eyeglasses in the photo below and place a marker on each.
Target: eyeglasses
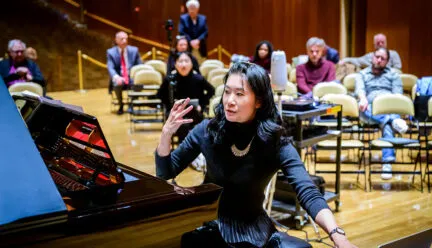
(17, 51)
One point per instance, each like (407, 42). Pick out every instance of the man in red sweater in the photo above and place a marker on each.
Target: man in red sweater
(316, 70)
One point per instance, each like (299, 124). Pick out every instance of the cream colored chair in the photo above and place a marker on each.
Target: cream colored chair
(206, 69)
(413, 91)
(350, 110)
(216, 72)
(292, 76)
(290, 90)
(408, 81)
(26, 86)
(215, 101)
(139, 67)
(145, 108)
(219, 90)
(324, 88)
(349, 82)
(404, 106)
(289, 68)
(213, 62)
(218, 80)
(158, 65)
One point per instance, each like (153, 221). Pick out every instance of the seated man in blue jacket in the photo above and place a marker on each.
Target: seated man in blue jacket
(120, 59)
(17, 68)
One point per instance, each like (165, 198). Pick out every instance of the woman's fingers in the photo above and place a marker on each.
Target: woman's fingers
(184, 112)
(180, 103)
(184, 121)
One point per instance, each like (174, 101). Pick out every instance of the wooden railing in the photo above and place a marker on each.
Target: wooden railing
(152, 54)
(219, 49)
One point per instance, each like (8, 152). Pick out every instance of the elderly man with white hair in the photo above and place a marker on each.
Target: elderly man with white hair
(17, 68)
(380, 41)
(194, 27)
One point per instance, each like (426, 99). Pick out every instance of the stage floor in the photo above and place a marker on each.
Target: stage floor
(392, 210)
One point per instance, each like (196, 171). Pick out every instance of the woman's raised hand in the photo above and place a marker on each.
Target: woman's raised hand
(175, 118)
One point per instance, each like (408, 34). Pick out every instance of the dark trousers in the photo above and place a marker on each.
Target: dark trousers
(118, 90)
(209, 236)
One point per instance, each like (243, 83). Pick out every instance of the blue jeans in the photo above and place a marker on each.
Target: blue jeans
(384, 121)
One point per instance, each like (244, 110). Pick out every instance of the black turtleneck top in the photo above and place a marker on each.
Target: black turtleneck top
(241, 217)
(193, 86)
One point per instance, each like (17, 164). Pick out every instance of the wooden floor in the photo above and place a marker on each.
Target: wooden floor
(393, 209)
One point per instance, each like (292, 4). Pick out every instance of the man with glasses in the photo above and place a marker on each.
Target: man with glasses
(17, 68)
(375, 80)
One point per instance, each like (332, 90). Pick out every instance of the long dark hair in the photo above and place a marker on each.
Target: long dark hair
(267, 118)
(270, 50)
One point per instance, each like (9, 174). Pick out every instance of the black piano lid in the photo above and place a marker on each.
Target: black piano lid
(26, 188)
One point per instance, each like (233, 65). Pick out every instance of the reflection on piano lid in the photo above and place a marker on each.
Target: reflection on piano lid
(111, 197)
(66, 148)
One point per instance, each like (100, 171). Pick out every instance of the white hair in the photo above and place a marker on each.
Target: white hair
(315, 41)
(190, 3)
(12, 43)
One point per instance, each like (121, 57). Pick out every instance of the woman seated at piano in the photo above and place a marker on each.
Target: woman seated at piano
(186, 83)
(244, 147)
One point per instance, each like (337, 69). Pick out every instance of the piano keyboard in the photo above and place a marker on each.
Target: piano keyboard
(65, 182)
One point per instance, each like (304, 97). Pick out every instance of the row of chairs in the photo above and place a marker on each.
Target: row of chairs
(148, 77)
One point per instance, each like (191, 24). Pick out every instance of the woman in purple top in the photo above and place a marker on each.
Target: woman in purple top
(316, 70)
(262, 56)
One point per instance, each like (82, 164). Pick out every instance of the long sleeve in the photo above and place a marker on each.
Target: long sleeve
(301, 80)
(204, 33)
(182, 28)
(36, 74)
(395, 59)
(195, 65)
(110, 65)
(331, 75)
(360, 85)
(364, 61)
(163, 92)
(137, 60)
(210, 91)
(397, 84)
(307, 193)
(170, 166)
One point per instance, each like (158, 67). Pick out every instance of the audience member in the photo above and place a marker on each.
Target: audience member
(120, 59)
(316, 69)
(262, 56)
(194, 27)
(184, 83)
(332, 54)
(375, 80)
(380, 41)
(30, 53)
(17, 68)
(181, 45)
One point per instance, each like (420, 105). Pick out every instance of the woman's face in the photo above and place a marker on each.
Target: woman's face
(263, 51)
(183, 65)
(182, 45)
(240, 104)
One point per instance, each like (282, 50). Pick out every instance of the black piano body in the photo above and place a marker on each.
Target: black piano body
(112, 205)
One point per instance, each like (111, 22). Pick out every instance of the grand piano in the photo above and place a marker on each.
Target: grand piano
(60, 185)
